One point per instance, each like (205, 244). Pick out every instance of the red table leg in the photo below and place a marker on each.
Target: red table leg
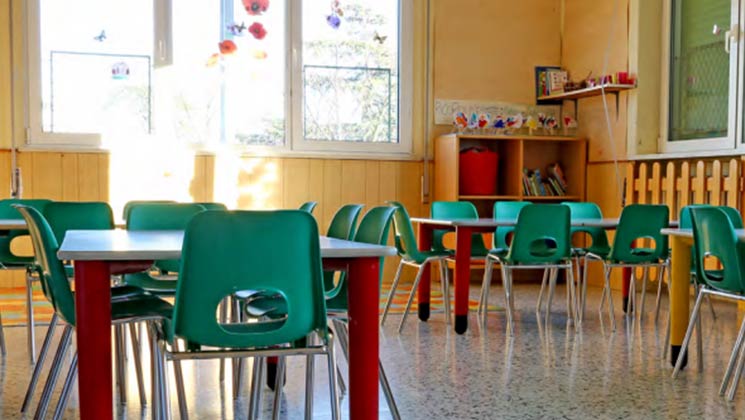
(93, 328)
(462, 277)
(363, 338)
(425, 244)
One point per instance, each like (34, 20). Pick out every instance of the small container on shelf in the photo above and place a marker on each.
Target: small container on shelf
(478, 171)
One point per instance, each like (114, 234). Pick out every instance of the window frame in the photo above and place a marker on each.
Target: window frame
(733, 140)
(294, 143)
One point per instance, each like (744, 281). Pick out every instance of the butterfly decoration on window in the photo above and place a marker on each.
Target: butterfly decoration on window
(236, 29)
(100, 37)
(255, 7)
(380, 39)
(334, 19)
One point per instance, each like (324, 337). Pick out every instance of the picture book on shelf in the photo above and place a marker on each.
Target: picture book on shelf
(552, 185)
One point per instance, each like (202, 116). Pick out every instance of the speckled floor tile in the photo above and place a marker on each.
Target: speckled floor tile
(543, 372)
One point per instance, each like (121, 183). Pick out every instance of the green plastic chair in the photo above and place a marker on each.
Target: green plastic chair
(541, 240)
(160, 216)
(714, 236)
(308, 206)
(598, 240)
(449, 210)
(276, 252)
(508, 210)
(638, 221)
(57, 290)
(373, 229)
(342, 226)
(12, 261)
(129, 205)
(410, 254)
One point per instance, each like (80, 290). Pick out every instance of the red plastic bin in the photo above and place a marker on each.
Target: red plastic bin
(478, 171)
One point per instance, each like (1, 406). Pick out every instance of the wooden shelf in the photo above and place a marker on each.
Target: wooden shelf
(490, 197)
(586, 92)
(526, 137)
(551, 198)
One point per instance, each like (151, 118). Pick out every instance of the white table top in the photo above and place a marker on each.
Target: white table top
(493, 223)
(688, 233)
(123, 245)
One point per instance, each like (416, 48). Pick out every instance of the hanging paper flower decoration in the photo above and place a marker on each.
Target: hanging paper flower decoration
(213, 60)
(259, 54)
(255, 7)
(227, 47)
(334, 21)
(236, 29)
(257, 30)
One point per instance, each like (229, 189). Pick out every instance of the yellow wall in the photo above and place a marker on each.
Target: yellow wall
(487, 49)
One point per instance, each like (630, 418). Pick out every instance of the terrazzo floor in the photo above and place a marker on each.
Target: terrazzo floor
(544, 372)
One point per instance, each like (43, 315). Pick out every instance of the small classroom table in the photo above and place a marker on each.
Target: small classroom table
(681, 241)
(98, 253)
(464, 228)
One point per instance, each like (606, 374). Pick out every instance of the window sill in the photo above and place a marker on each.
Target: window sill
(242, 152)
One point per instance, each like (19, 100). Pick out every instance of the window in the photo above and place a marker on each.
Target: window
(704, 76)
(304, 75)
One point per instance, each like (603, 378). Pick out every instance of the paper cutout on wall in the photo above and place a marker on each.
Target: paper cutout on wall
(236, 29)
(120, 71)
(255, 7)
(100, 37)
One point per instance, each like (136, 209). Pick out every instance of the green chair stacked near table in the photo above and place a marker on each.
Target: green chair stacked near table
(11, 261)
(159, 216)
(541, 241)
(451, 210)
(224, 252)
(64, 216)
(129, 205)
(714, 237)
(503, 210)
(598, 243)
(308, 206)
(637, 222)
(410, 254)
(56, 287)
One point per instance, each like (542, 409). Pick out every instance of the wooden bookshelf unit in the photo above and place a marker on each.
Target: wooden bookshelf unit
(515, 153)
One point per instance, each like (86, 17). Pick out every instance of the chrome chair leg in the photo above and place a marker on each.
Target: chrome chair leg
(711, 307)
(506, 273)
(486, 284)
(279, 385)
(445, 280)
(643, 292)
(65, 395)
(551, 288)
(387, 392)
(658, 301)
(584, 292)
(256, 383)
(137, 355)
(40, 363)
(666, 347)
(159, 394)
(732, 359)
(411, 296)
(309, 374)
(223, 319)
(689, 333)
(543, 287)
(572, 293)
(46, 394)
(738, 374)
(3, 349)
(334, 395)
(611, 310)
(180, 391)
(30, 334)
(392, 292)
(120, 366)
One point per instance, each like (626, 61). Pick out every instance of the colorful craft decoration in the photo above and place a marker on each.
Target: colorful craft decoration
(460, 121)
(100, 37)
(236, 29)
(334, 19)
(259, 54)
(473, 122)
(498, 124)
(257, 30)
(227, 47)
(550, 124)
(483, 121)
(255, 7)
(213, 60)
(380, 39)
(120, 71)
(531, 123)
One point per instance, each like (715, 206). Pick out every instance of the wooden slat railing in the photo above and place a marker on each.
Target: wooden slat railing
(680, 183)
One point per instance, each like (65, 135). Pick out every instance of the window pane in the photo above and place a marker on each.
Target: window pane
(255, 76)
(700, 68)
(351, 70)
(95, 65)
